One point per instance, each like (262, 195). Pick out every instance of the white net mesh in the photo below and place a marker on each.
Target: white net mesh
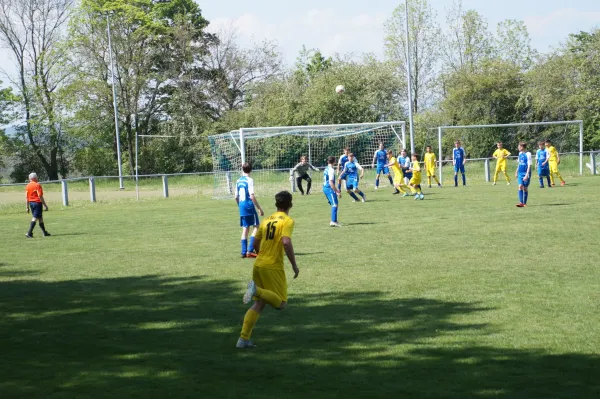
(479, 142)
(272, 152)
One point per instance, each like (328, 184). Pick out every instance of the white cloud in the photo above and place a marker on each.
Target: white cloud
(323, 28)
(557, 25)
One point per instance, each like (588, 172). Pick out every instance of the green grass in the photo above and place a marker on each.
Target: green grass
(461, 295)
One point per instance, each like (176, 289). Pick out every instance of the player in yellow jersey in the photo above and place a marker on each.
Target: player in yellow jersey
(554, 161)
(501, 154)
(269, 285)
(397, 170)
(415, 180)
(429, 161)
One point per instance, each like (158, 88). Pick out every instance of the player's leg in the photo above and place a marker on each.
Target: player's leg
(525, 191)
(520, 191)
(456, 168)
(308, 183)
(41, 224)
(350, 183)
(562, 181)
(359, 192)
(244, 238)
(506, 175)
(436, 179)
(464, 177)
(496, 174)
(387, 173)
(32, 223)
(250, 253)
(377, 177)
(553, 170)
(541, 177)
(299, 184)
(250, 319)
(333, 200)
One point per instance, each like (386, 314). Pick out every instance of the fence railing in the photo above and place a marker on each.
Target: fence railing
(205, 177)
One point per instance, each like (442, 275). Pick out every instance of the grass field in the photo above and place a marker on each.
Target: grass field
(461, 295)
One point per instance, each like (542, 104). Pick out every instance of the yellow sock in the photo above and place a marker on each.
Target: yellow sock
(560, 177)
(413, 190)
(507, 178)
(269, 297)
(495, 176)
(436, 179)
(249, 322)
(552, 178)
(401, 189)
(429, 180)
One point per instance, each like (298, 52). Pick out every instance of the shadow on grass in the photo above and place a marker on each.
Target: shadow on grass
(553, 205)
(308, 253)
(68, 234)
(173, 337)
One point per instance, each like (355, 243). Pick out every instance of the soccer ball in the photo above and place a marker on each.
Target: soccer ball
(340, 89)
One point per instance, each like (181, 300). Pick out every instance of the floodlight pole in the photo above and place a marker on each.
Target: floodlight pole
(112, 74)
(408, 77)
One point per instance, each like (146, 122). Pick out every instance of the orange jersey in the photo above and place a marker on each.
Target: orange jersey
(34, 192)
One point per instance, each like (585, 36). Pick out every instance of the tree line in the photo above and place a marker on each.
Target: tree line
(175, 78)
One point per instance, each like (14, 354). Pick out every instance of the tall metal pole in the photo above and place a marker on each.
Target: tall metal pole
(114, 90)
(408, 77)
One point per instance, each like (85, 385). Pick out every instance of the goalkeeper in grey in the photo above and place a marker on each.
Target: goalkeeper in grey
(301, 171)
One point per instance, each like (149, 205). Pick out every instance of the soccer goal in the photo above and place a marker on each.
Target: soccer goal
(479, 142)
(273, 151)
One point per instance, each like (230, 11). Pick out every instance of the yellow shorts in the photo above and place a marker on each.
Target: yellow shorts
(398, 179)
(415, 180)
(430, 172)
(272, 280)
(553, 167)
(501, 167)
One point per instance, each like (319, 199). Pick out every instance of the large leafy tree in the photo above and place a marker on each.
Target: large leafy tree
(158, 48)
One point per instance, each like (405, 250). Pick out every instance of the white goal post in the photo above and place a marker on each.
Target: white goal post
(441, 130)
(274, 151)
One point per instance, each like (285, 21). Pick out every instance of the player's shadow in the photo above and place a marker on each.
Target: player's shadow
(361, 223)
(68, 234)
(308, 253)
(553, 205)
(149, 336)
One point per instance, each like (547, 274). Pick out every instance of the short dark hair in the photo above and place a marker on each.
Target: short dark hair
(331, 160)
(548, 141)
(247, 168)
(523, 144)
(428, 147)
(283, 200)
(416, 156)
(351, 154)
(540, 143)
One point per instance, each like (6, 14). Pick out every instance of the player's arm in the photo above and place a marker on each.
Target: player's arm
(507, 154)
(453, 159)
(331, 183)
(26, 202)
(313, 168)
(342, 174)
(374, 158)
(557, 158)
(362, 170)
(494, 155)
(528, 166)
(43, 202)
(253, 197)
(289, 252)
(464, 156)
(293, 170)
(258, 239)
(339, 165)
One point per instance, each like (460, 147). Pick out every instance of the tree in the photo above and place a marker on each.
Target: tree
(514, 44)
(468, 40)
(158, 50)
(424, 38)
(32, 30)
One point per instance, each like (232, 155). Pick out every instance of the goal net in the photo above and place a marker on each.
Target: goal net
(479, 143)
(274, 151)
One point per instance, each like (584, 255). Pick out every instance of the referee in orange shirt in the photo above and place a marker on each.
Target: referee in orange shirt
(35, 200)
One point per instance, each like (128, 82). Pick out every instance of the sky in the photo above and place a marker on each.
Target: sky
(356, 26)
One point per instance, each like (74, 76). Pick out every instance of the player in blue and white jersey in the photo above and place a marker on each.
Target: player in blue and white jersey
(340, 166)
(523, 174)
(331, 191)
(350, 172)
(458, 160)
(543, 167)
(405, 163)
(380, 157)
(247, 204)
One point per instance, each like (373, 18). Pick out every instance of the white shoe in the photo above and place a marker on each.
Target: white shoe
(422, 196)
(376, 188)
(508, 183)
(244, 343)
(494, 183)
(250, 292)
(364, 198)
(334, 224)
(416, 196)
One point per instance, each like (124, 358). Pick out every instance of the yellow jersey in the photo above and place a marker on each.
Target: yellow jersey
(416, 168)
(429, 160)
(552, 154)
(270, 233)
(395, 166)
(500, 154)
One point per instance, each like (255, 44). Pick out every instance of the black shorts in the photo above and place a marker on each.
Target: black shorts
(36, 209)
(305, 176)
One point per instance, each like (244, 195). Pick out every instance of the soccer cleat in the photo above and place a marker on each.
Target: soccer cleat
(494, 183)
(520, 205)
(244, 343)
(553, 185)
(334, 224)
(396, 192)
(250, 292)
(406, 195)
(430, 186)
(562, 183)
(28, 235)
(439, 184)
(251, 255)
(46, 234)
(376, 188)
(508, 183)
(416, 196)
(243, 256)
(541, 186)
(422, 196)
(364, 198)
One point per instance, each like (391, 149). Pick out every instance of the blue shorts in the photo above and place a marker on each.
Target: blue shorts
(36, 209)
(459, 167)
(332, 197)
(249, 221)
(384, 169)
(408, 175)
(522, 181)
(352, 183)
(542, 172)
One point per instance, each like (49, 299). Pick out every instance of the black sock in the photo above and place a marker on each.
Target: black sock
(43, 227)
(31, 226)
